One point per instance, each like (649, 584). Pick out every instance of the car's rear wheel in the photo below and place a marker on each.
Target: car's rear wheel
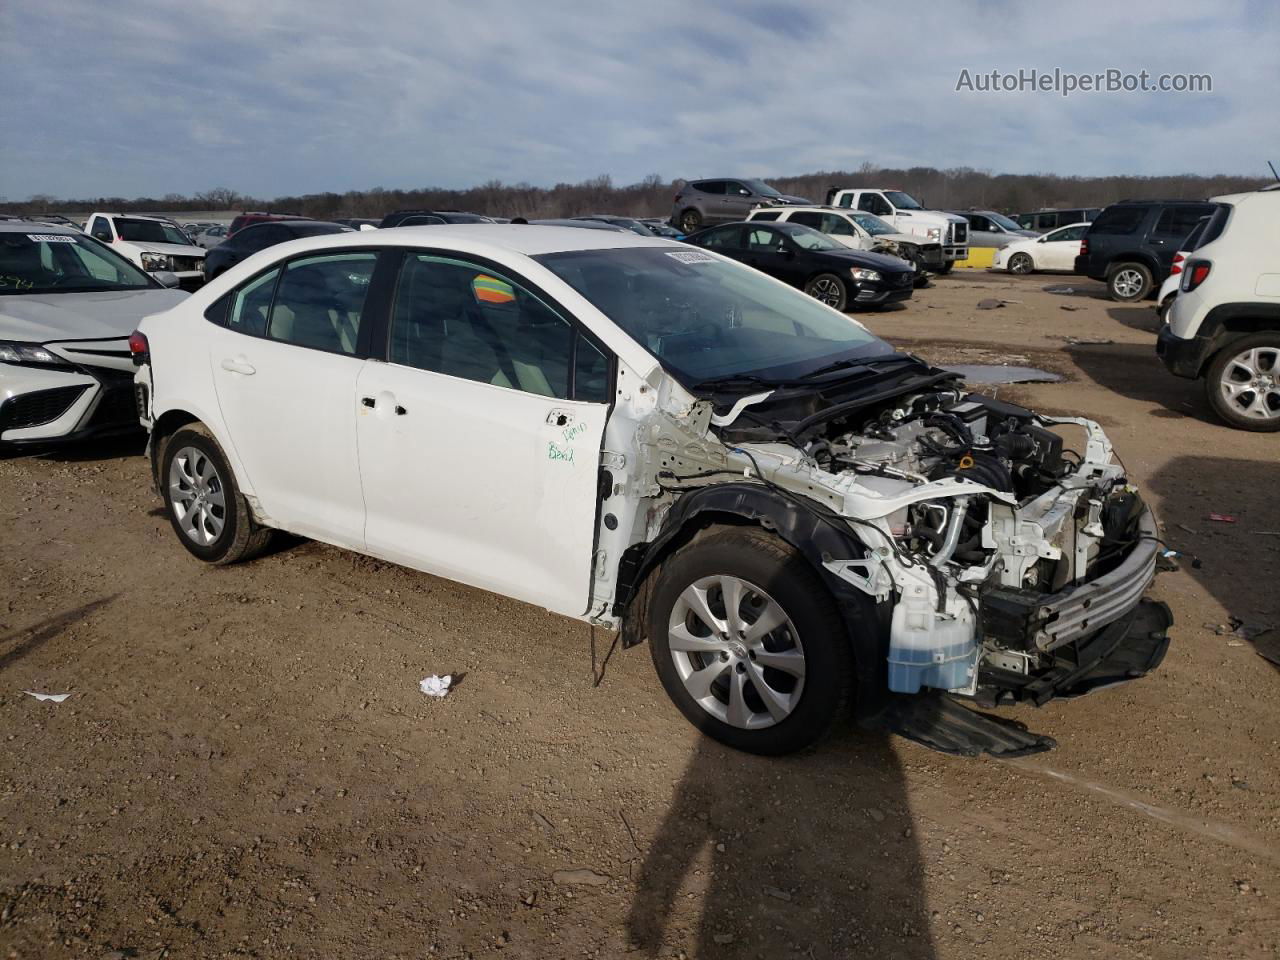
(1021, 263)
(1128, 282)
(690, 221)
(829, 289)
(203, 501)
(1243, 383)
(747, 641)
(946, 266)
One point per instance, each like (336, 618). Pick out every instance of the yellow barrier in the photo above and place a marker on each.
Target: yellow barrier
(979, 257)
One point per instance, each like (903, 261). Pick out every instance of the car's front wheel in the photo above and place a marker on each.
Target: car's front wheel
(747, 641)
(1128, 282)
(829, 289)
(1243, 383)
(1021, 263)
(203, 501)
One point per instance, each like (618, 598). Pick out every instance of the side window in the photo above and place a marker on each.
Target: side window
(320, 301)
(101, 229)
(767, 215)
(419, 221)
(1025, 220)
(977, 222)
(252, 303)
(1177, 221)
(807, 218)
(846, 200)
(1046, 221)
(836, 225)
(874, 203)
(710, 186)
(258, 238)
(735, 189)
(459, 319)
(764, 240)
(726, 238)
(1119, 220)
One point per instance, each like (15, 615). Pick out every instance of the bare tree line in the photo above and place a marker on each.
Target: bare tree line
(957, 188)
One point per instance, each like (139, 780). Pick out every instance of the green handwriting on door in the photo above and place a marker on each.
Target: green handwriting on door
(562, 454)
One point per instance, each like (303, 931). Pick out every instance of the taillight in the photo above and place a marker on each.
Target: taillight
(1195, 273)
(1084, 246)
(139, 348)
(1177, 264)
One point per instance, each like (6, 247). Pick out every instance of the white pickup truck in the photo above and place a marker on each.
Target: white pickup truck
(910, 217)
(153, 243)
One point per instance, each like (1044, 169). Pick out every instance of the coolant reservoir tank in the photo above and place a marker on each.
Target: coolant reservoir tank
(928, 649)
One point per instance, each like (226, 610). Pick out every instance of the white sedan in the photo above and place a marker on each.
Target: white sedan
(650, 437)
(67, 307)
(1056, 251)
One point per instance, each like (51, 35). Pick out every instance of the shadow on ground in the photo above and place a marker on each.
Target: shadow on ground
(18, 644)
(1137, 316)
(1240, 561)
(808, 856)
(1133, 370)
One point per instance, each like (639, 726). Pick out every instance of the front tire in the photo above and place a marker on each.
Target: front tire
(748, 643)
(945, 267)
(1243, 383)
(203, 501)
(829, 289)
(1021, 263)
(1127, 282)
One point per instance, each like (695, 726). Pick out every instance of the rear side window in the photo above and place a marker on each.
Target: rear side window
(1217, 223)
(320, 301)
(805, 218)
(769, 215)
(723, 238)
(709, 186)
(1176, 222)
(101, 229)
(1119, 220)
(252, 303)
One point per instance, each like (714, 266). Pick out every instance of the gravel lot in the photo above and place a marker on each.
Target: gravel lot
(245, 767)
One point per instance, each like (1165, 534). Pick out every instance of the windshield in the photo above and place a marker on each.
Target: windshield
(872, 224)
(57, 263)
(762, 188)
(1004, 221)
(706, 318)
(903, 201)
(150, 231)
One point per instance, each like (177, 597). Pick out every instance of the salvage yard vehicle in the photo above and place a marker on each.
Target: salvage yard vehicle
(67, 306)
(1050, 218)
(1131, 244)
(990, 229)
(859, 230)
(1056, 250)
(1224, 325)
(701, 203)
(155, 244)
(654, 438)
(421, 218)
(259, 236)
(821, 266)
(907, 215)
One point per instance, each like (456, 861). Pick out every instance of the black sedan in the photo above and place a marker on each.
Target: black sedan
(249, 240)
(806, 258)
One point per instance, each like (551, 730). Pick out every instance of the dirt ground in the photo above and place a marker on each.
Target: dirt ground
(246, 768)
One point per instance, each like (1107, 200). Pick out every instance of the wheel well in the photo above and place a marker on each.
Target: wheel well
(1139, 258)
(166, 425)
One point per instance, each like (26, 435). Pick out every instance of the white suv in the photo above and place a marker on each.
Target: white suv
(153, 243)
(650, 437)
(1224, 324)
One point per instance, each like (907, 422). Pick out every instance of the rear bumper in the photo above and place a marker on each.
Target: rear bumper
(1183, 358)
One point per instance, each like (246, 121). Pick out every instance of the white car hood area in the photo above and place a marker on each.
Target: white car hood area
(38, 318)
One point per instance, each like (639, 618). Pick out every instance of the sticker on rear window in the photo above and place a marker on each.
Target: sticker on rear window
(50, 238)
(691, 256)
(492, 290)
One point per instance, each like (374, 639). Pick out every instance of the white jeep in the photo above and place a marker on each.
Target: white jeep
(910, 217)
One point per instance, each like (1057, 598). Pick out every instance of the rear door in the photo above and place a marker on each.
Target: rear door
(480, 436)
(285, 362)
(711, 199)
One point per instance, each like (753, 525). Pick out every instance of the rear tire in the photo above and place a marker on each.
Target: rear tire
(771, 692)
(1242, 383)
(1128, 282)
(690, 221)
(203, 500)
(829, 289)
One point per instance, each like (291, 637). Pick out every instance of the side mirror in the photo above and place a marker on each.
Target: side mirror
(745, 193)
(167, 278)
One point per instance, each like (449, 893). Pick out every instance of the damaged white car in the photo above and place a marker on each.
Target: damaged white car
(800, 520)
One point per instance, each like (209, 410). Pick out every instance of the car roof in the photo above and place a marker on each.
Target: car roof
(530, 240)
(25, 226)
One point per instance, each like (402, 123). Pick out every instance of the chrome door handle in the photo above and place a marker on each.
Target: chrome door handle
(238, 365)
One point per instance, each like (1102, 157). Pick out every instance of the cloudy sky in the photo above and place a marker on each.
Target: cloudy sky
(271, 97)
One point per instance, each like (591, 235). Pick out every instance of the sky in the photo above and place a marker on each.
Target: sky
(282, 97)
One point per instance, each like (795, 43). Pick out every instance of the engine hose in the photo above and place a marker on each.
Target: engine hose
(958, 510)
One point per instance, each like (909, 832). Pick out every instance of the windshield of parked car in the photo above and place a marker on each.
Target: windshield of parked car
(150, 231)
(705, 318)
(811, 239)
(1002, 220)
(762, 188)
(872, 224)
(903, 201)
(60, 263)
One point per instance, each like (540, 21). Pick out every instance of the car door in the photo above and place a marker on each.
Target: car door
(480, 435)
(984, 233)
(1058, 250)
(739, 199)
(285, 361)
(768, 250)
(711, 200)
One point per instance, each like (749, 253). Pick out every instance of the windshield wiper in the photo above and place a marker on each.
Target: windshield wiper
(869, 362)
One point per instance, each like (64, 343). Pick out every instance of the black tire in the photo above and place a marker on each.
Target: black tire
(690, 221)
(1224, 367)
(777, 570)
(238, 537)
(829, 289)
(945, 267)
(1021, 263)
(1128, 282)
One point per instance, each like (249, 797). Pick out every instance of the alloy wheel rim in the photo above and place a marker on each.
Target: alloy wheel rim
(1128, 283)
(825, 290)
(197, 496)
(1250, 383)
(1021, 263)
(737, 652)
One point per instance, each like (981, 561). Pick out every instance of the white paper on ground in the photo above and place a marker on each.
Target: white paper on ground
(55, 697)
(435, 686)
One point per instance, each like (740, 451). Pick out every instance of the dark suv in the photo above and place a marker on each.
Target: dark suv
(701, 203)
(1132, 243)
